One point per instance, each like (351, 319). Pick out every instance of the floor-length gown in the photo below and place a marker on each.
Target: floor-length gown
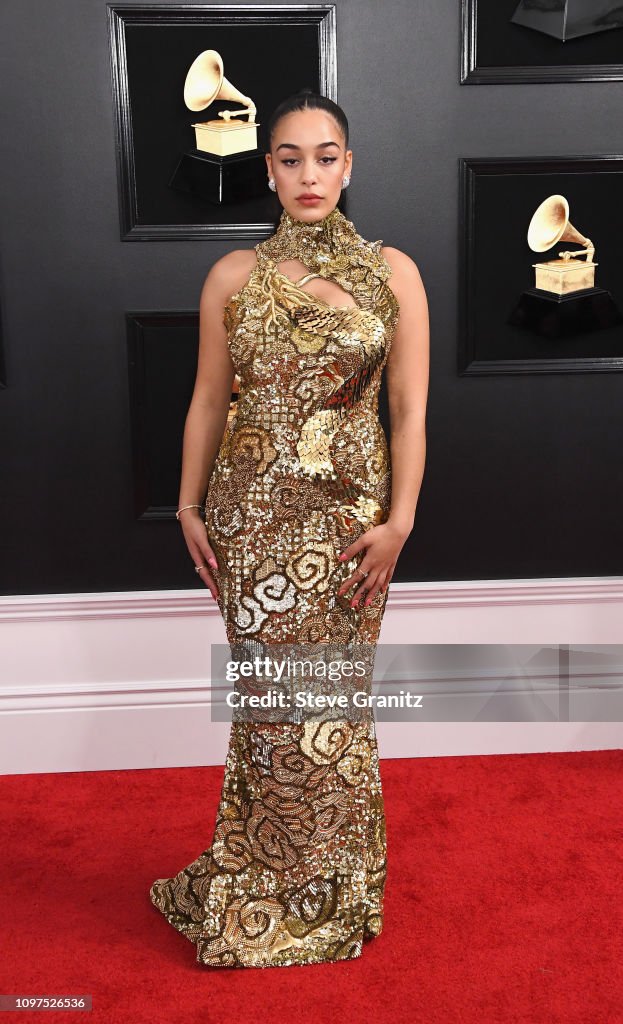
(296, 869)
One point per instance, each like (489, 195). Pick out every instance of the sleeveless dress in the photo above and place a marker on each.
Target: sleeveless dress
(296, 870)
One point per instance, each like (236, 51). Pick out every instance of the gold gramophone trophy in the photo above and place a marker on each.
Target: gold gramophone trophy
(564, 300)
(550, 224)
(226, 165)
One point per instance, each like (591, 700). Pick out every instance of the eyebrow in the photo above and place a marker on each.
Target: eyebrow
(291, 145)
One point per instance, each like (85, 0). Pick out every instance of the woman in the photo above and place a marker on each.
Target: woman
(305, 516)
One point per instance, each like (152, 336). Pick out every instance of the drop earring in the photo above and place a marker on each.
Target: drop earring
(345, 181)
(271, 184)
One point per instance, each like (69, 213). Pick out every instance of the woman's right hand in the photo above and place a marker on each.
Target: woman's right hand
(196, 537)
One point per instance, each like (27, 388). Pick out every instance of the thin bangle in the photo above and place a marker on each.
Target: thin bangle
(177, 514)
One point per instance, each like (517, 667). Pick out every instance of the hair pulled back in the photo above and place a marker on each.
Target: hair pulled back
(307, 99)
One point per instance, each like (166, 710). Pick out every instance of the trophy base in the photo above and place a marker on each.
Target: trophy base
(221, 179)
(226, 138)
(562, 316)
(569, 19)
(564, 277)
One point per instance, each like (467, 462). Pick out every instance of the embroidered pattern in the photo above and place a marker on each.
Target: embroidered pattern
(296, 870)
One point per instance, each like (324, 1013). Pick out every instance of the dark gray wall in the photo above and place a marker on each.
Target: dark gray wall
(523, 474)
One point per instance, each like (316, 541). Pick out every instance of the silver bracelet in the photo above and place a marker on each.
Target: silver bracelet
(177, 514)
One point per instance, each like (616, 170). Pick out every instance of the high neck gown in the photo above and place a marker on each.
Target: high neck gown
(296, 869)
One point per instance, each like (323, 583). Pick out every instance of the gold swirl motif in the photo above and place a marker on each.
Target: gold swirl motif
(231, 847)
(248, 615)
(309, 567)
(325, 742)
(353, 766)
(249, 441)
(249, 924)
(271, 841)
(311, 905)
(275, 593)
(291, 766)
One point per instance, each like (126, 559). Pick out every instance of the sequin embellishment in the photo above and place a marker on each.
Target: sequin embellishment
(296, 870)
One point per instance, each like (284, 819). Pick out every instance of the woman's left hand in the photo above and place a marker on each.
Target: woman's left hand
(383, 543)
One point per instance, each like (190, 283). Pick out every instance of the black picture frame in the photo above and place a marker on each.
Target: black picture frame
(497, 199)
(151, 48)
(496, 51)
(162, 348)
(3, 375)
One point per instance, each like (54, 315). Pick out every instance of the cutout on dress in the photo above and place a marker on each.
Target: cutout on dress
(323, 288)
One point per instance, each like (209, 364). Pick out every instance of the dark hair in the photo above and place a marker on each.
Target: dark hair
(307, 99)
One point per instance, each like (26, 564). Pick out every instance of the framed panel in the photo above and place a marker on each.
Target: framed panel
(163, 347)
(3, 380)
(162, 364)
(581, 331)
(168, 188)
(567, 41)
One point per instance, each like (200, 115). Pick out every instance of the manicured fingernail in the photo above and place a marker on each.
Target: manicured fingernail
(213, 562)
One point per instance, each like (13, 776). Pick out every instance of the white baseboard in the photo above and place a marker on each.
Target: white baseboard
(121, 680)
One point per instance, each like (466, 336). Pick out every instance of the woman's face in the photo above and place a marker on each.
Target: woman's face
(307, 155)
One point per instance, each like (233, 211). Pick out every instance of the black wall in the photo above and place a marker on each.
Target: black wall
(523, 474)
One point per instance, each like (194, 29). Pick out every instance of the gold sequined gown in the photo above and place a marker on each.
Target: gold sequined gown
(296, 870)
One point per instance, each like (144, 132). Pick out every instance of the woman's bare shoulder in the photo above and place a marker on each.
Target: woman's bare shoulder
(405, 280)
(398, 260)
(232, 271)
(405, 276)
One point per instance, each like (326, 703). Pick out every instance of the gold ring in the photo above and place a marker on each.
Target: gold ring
(198, 568)
(363, 574)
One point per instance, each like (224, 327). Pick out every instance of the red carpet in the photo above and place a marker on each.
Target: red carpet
(504, 900)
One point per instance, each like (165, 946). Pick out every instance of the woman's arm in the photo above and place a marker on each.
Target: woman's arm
(209, 406)
(407, 372)
(407, 382)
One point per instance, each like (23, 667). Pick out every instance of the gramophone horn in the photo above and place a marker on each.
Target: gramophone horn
(550, 224)
(205, 82)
